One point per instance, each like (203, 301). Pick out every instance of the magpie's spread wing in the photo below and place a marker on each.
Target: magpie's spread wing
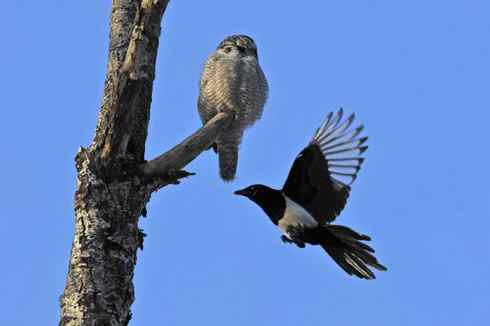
(322, 173)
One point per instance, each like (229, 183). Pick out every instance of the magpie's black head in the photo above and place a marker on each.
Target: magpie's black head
(270, 200)
(255, 192)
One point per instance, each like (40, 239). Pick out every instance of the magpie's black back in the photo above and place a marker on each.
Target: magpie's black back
(322, 173)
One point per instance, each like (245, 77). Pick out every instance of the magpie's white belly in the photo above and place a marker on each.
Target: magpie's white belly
(295, 215)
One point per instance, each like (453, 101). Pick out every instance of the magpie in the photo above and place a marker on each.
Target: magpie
(316, 191)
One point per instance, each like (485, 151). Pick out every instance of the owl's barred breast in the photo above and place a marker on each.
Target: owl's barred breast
(232, 84)
(218, 84)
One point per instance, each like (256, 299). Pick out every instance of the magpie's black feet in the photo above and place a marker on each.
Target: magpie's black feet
(296, 235)
(299, 243)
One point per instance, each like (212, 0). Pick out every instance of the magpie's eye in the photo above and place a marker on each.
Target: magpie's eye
(228, 49)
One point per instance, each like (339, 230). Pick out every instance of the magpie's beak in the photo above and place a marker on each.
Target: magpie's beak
(242, 192)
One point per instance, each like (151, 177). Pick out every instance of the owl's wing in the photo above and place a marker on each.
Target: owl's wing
(253, 92)
(322, 173)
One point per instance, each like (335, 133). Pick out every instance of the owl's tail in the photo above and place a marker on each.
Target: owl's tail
(228, 160)
(228, 143)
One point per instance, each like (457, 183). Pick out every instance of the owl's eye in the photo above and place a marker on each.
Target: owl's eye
(228, 49)
(241, 49)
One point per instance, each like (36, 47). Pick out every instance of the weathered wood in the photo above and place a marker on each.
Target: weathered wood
(111, 189)
(183, 153)
(99, 288)
(124, 115)
(114, 183)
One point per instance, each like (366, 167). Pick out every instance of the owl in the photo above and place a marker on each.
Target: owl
(232, 81)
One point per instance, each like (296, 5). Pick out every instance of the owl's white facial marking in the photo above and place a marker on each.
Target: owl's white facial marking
(234, 51)
(228, 50)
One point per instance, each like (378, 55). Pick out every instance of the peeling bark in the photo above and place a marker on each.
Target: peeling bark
(99, 289)
(124, 116)
(114, 183)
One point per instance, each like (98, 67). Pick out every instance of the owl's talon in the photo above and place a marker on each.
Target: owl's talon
(213, 146)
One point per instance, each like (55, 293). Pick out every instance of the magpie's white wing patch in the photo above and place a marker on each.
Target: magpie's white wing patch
(342, 148)
(295, 215)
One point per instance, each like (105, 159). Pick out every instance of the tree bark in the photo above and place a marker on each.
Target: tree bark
(114, 182)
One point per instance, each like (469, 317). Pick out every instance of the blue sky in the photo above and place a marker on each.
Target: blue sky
(417, 74)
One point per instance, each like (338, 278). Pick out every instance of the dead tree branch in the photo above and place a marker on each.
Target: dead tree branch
(114, 182)
(179, 156)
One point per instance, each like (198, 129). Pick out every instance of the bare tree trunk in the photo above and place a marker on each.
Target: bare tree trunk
(114, 182)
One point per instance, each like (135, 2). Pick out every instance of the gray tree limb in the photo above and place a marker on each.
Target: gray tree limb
(114, 183)
(179, 156)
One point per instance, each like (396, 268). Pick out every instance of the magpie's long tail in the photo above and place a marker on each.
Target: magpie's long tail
(345, 247)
